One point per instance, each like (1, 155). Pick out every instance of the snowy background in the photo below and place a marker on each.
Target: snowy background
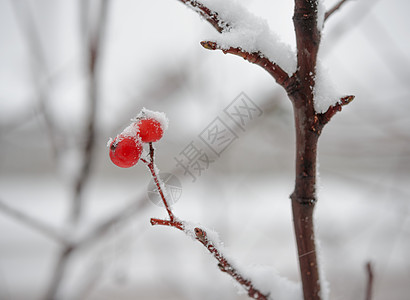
(152, 57)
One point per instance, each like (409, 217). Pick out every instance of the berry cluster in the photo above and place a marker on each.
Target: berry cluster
(126, 148)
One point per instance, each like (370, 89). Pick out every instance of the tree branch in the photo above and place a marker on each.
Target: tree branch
(334, 8)
(33, 223)
(207, 14)
(257, 58)
(307, 135)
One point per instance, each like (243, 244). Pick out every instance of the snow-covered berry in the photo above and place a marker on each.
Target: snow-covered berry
(150, 130)
(125, 151)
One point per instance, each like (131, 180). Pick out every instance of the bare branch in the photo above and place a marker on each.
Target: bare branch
(257, 58)
(207, 14)
(370, 277)
(33, 223)
(58, 273)
(334, 8)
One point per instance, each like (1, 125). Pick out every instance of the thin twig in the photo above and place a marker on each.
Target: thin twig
(223, 263)
(207, 14)
(370, 279)
(256, 58)
(151, 166)
(33, 223)
(334, 8)
(325, 117)
(225, 266)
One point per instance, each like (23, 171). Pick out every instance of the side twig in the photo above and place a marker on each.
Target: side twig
(326, 116)
(256, 58)
(334, 8)
(370, 277)
(151, 166)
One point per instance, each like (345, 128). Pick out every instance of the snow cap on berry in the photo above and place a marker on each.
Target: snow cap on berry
(130, 130)
(156, 115)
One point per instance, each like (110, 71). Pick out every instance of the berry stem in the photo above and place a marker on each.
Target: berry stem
(151, 166)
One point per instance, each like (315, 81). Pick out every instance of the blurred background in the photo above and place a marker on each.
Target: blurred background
(73, 73)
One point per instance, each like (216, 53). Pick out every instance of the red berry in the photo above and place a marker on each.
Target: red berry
(125, 151)
(150, 130)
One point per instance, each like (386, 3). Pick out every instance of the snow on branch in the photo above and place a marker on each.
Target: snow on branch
(256, 58)
(209, 15)
(332, 110)
(327, 99)
(240, 29)
(211, 242)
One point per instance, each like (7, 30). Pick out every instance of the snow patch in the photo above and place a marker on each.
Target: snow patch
(212, 235)
(269, 282)
(156, 115)
(250, 33)
(324, 92)
(321, 10)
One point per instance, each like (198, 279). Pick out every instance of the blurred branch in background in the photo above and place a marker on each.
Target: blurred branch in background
(370, 279)
(40, 71)
(33, 223)
(93, 49)
(334, 8)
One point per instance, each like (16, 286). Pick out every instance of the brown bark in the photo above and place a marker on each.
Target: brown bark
(308, 129)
